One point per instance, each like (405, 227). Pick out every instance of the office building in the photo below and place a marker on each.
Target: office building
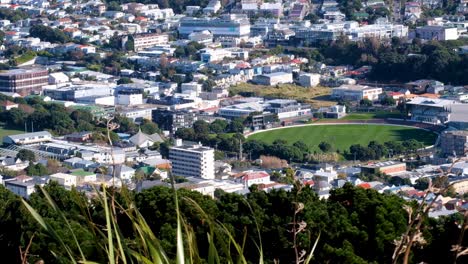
(148, 40)
(226, 25)
(23, 81)
(192, 160)
(356, 92)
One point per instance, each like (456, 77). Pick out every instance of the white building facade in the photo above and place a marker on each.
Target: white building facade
(192, 161)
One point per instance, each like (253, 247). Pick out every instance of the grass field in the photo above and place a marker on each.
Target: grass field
(317, 96)
(374, 115)
(7, 132)
(343, 136)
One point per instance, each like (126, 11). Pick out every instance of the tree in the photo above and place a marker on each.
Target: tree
(36, 170)
(201, 128)
(124, 80)
(325, 146)
(218, 126)
(185, 134)
(236, 126)
(365, 102)
(26, 155)
(387, 100)
(46, 33)
(149, 127)
(302, 146)
(422, 184)
(114, 6)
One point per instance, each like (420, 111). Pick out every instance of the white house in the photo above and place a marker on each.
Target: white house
(309, 79)
(66, 180)
(58, 78)
(250, 178)
(124, 173)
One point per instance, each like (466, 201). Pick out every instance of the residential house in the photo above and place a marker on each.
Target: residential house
(143, 140)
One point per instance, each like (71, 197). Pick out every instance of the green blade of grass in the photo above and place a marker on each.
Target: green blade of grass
(110, 240)
(311, 254)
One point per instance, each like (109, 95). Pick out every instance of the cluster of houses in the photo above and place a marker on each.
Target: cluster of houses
(152, 38)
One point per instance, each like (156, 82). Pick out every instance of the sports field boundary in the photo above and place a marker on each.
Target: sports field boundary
(347, 123)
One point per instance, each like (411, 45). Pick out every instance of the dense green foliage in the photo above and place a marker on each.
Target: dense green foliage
(46, 33)
(376, 150)
(356, 225)
(220, 134)
(396, 60)
(61, 120)
(12, 14)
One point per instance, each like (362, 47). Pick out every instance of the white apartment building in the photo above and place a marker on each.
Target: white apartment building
(143, 41)
(226, 25)
(192, 160)
(356, 92)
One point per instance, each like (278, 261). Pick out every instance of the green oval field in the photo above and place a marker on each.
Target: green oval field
(343, 136)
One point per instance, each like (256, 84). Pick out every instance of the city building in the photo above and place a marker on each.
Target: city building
(309, 79)
(143, 140)
(213, 7)
(74, 92)
(63, 179)
(454, 142)
(226, 25)
(137, 112)
(192, 160)
(23, 81)
(351, 29)
(24, 186)
(202, 37)
(440, 33)
(240, 110)
(172, 120)
(284, 108)
(427, 110)
(336, 111)
(356, 92)
(129, 97)
(386, 167)
(28, 138)
(148, 40)
(212, 55)
(274, 78)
